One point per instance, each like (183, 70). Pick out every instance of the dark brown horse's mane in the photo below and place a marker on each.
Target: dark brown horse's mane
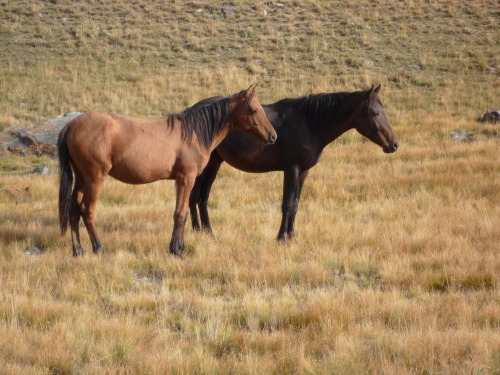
(205, 121)
(321, 110)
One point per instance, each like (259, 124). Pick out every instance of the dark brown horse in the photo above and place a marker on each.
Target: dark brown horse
(137, 151)
(305, 126)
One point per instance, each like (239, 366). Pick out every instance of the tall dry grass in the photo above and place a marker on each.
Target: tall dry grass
(395, 269)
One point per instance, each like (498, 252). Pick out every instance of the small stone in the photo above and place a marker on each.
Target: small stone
(462, 136)
(35, 250)
(18, 193)
(41, 169)
(368, 63)
(228, 11)
(415, 66)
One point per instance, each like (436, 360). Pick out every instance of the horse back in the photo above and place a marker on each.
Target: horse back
(132, 150)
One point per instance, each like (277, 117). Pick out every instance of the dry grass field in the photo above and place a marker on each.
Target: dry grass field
(396, 266)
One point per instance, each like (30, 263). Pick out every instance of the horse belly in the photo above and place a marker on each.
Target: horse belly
(246, 164)
(249, 155)
(142, 166)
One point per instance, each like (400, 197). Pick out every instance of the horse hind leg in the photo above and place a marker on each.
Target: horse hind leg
(75, 215)
(209, 175)
(88, 205)
(193, 202)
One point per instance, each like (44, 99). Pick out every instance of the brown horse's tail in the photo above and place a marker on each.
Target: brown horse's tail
(65, 182)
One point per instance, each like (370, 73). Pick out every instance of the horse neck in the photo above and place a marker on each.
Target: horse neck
(210, 123)
(325, 133)
(340, 123)
(330, 133)
(227, 127)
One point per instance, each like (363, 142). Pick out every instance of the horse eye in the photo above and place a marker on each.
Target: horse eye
(374, 113)
(253, 111)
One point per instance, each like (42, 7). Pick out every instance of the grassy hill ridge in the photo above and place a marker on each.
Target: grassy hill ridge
(164, 55)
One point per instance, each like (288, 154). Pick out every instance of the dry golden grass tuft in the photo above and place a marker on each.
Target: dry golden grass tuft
(395, 269)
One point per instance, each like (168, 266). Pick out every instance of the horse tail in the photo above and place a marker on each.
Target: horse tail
(65, 181)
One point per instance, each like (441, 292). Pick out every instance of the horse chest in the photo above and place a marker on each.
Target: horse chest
(303, 154)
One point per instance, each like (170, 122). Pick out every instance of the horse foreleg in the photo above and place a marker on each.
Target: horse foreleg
(290, 180)
(295, 205)
(87, 207)
(184, 185)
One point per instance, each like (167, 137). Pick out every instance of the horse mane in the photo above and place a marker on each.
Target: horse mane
(321, 110)
(205, 121)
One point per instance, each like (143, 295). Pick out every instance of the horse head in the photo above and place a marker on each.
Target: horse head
(371, 121)
(248, 115)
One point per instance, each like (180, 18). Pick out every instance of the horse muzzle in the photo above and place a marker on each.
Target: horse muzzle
(272, 138)
(391, 147)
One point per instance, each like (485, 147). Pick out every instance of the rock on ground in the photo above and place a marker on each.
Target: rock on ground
(492, 115)
(40, 139)
(462, 136)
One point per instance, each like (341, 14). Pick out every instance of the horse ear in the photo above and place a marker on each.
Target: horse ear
(368, 92)
(373, 89)
(254, 88)
(249, 91)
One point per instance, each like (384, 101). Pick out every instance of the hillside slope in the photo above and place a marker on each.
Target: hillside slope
(148, 58)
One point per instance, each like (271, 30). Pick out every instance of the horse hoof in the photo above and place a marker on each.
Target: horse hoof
(177, 253)
(208, 230)
(77, 251)
(99, 250)
(285, 237)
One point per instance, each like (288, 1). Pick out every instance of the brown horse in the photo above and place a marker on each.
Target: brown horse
(305, 126)
(137, 151)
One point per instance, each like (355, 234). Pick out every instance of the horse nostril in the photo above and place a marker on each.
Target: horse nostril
(273, 138)
(395, 145)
